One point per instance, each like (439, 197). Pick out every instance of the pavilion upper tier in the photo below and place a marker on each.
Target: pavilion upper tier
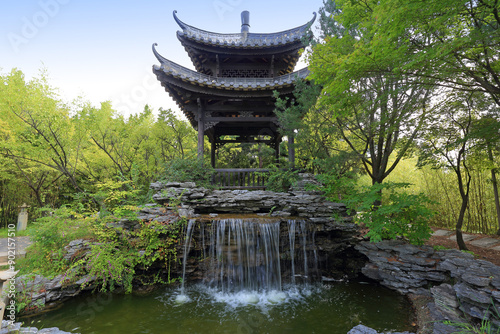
(233, 71)
(217, 54)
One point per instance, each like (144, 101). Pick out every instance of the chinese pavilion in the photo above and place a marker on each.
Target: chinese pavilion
(229, 98)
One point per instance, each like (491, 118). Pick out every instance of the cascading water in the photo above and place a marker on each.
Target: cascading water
(247, 257)
(182, 298)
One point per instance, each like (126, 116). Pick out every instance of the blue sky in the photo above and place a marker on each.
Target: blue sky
(101, 50)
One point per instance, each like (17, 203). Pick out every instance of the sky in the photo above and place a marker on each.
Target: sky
(101, 49)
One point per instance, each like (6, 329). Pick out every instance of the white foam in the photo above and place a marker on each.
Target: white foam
(182, 299)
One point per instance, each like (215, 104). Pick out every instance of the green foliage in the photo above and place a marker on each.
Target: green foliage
(118, 197)
(52, 151)
(280, 180)
(401, 215)
(159, 242)
(485, 326)
(188, 170)
(109, 263)
(24, 300)
(49, 236)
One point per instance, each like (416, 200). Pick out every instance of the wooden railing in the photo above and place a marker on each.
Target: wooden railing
(240, 178)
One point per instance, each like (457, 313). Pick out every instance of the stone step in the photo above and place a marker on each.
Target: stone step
(4, 256)
(7, 274)
(466, 237)
(485, 242)
(442, 233)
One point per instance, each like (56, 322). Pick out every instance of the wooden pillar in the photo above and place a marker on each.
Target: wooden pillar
(201, 130)
(271, 68)
(291, 150)
(277, 141)
(217, 66)
(212, 154)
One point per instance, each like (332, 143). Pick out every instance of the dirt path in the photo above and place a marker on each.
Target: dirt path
(485, 247)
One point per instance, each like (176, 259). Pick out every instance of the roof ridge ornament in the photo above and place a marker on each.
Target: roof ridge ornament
(245, 23)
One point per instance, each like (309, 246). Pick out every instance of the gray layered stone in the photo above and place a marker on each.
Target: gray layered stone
(43, 290)
(16, 328)
(362, 329)
(299, 203)
(76, 248)
(410, 269)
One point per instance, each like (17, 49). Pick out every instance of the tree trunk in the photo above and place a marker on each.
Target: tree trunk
(460, 221)
(495, 188)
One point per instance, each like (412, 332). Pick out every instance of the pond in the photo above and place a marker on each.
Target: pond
(331, 307)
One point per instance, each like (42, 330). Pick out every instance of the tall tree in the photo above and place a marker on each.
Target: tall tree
(378, 112)
(40, 127)
(485, 131)
(448, 144)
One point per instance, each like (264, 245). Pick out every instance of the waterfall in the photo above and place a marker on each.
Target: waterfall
(187, 245)
(291, 239)
(248, 255)
(245, 255)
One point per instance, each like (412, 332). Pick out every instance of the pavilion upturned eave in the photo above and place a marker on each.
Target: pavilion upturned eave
(175, 71)
(185, 90)
(244, 40)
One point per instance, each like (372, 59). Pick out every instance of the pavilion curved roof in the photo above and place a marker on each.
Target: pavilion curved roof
(177, 79)
(172, 69)
(241, 40)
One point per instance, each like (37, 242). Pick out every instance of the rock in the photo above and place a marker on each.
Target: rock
(201, 201)
(17, 329)
(361, 329)
(306, 182)
(76, 248)
(467, 293)
(446, 301)
(406, 268)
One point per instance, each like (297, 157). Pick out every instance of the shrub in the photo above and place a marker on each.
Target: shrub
(50, 235)
(188, 170)
(401, 214)
(280, 180)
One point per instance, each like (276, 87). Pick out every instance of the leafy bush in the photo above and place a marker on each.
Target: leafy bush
(114, 252)
(50, 235)
(401, 215)
(280, 180)
(188, 170)
(337, 188)
(109, 263)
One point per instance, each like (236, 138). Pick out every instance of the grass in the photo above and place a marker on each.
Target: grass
(4, 233)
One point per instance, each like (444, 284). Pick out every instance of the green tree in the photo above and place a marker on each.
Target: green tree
(448, 144)
(40, 131)
(452, 43)
(377, 111)
(176, 138)
(485, 131)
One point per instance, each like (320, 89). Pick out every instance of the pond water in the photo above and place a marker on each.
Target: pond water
(333, 307)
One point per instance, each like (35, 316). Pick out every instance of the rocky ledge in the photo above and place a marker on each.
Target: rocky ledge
(15, 328)
(197, 200)
(460, 286)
